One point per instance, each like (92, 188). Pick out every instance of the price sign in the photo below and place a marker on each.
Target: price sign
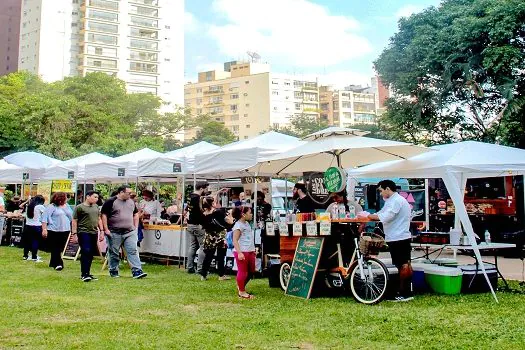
(311, 228)
(121, 172)
(283, 228)
(335, 179)
(251, 180)
(325, 228)
(297, 229)
(70, 175)
(177, 167)
(66, 186)
(270, 228)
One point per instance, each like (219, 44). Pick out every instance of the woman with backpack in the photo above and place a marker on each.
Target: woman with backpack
(216, 222)
(33, 227)
(244, 243)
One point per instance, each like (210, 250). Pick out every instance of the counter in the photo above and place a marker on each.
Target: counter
(166, 240)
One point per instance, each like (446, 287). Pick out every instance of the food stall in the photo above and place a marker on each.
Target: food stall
(163, 241)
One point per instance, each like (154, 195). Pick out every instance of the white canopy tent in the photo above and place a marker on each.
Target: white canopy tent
(76, 165)
(10, 174)
(166, 165)
(119, 169)
(231, 160)
(455, 163)
(33, 163)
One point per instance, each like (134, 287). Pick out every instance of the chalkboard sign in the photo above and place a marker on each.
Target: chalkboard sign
(304, 266)
(72, 248)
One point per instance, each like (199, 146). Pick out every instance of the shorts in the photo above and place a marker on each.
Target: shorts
(400, 252)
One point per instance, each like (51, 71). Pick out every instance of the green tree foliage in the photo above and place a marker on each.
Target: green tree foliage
(302, 125)
(458, 72)
(84, 114)
(214, 132)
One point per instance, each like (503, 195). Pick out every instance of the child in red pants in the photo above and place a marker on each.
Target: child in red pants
(244, 244)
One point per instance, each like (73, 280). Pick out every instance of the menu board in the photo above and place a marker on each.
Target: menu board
(304, 266)
(72, 248)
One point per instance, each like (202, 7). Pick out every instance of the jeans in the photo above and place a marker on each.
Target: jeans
(57, 243)
(31, 238)
(195, 235)
(88, 248)
(209, 254)
(129, 242)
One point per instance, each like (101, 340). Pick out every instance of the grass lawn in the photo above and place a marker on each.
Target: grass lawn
(42, 309)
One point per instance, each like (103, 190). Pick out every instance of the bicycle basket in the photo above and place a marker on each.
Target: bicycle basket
(371, 245)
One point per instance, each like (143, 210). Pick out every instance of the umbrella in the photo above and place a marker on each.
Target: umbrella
(341, 147)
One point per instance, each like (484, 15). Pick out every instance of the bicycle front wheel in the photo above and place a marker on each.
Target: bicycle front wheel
(368, 281)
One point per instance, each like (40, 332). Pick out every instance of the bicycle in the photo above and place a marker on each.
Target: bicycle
(365, 277)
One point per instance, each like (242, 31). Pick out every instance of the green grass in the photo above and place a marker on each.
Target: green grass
(41, 309)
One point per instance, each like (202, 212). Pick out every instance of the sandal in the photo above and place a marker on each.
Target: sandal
(248, 296)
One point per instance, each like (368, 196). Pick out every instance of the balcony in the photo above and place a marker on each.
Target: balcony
(211, 92)
(152, 3)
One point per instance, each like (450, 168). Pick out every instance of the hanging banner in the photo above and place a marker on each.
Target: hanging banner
(44, 188)
(315, 188)
(416, 199)
(67, 186)
(334, 179)
(251, 179)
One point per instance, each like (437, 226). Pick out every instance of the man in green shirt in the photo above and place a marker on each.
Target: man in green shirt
(87, 226)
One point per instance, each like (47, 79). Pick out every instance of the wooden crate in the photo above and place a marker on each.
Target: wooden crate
(287, 247)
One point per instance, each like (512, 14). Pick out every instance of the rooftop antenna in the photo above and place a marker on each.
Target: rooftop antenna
(255, 57)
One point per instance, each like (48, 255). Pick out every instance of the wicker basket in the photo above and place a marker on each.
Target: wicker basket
(371, 245)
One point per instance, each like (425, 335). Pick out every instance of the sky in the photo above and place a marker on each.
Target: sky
(335, 41)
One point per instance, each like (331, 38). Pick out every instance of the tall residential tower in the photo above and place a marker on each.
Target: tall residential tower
(139, 41)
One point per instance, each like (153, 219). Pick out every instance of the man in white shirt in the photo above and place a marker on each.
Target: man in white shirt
(395, 216)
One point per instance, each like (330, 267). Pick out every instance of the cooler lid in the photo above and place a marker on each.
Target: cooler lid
(443, 271)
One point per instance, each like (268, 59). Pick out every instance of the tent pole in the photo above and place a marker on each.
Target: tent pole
(182, 231)
(427, 206)
(457, 197)
(286, 194)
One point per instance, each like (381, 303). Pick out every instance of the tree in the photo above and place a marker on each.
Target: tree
(214, 132)
(458, 73)
(79, 115)
(302, 125)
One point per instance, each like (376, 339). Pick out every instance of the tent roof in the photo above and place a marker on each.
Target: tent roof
(471, 158)
(90, 158)
(10, 173)
(77, 165)
(136, 156)
(191, 151)
(232, 160)
(31, 160)
(163, 165)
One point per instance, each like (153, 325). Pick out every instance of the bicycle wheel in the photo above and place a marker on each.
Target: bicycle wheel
(372, 288)
(284, 275)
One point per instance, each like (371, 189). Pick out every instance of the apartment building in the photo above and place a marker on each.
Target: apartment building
(348, 107)
(9, 35)
(249, 99)
(139, 41)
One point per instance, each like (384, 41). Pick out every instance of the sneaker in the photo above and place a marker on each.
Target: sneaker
(224, 278)
(86, 278)
(139, 274)
(191, 270)
(93, 278)
(38, 260)
(114, 274)
(204, 278)
(400, 299)
(25, 258)
(59, 268)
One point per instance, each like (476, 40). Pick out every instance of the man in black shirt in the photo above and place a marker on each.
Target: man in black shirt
(303, 203)
(195, 233)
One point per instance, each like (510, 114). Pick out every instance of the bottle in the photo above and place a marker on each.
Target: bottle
(487, 237)
(351, 209)
(342, 211)
(334, 213)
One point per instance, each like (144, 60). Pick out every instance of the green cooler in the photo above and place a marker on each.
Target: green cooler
(443, 279)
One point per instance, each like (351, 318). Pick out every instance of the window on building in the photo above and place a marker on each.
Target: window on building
(247, 126)
(275, 93)
(276, 125)
(247, 82)
(143, 56)
(247, 105)
(199, 101)
(298, 106)
(246, 116)
(144, 22)
(143, 67)
(234, 96)
(233, 108)
(199, 90)
(108, 5)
